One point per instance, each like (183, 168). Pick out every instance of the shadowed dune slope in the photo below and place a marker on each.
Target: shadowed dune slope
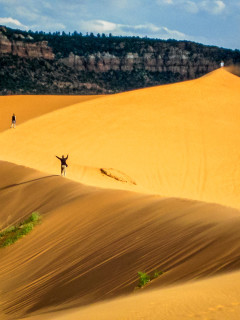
(27, 107)
(215, 299)
(178, 140)
(92, 242)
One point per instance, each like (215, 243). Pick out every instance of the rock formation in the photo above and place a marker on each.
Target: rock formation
(43, 63)
(25, 49)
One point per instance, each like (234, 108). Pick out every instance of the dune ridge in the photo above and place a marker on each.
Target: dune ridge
(92, 242)
(176, 140)
(27, 107)
(153, 184)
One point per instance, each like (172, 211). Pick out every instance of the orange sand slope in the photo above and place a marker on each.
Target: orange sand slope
(28, 107)
(178, 140)
(177, 148)
(92, 242)
(215, 299)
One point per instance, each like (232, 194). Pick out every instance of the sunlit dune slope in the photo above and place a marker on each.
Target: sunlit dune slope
(178, 140)
(27, 107)
(216, 299)
(92, 242)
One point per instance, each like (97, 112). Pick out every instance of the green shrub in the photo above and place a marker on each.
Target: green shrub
(9, 229)
(11, 234)
(25, 229)
(8, 242)
(35, 216)
(157, 274)
(143, 278)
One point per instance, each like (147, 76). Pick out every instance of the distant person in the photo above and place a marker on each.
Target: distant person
(13, 125)
(63, 165)
(222, 64)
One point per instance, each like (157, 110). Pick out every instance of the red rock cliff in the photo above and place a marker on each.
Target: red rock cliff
(25, 49)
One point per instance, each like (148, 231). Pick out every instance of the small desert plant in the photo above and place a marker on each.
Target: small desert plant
(9, 229)
(157, 274)
(11, 234)
(35, 216)
(143, 278)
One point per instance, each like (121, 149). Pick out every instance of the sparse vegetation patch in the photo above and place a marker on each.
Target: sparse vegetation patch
(144, 278)
(11, 234)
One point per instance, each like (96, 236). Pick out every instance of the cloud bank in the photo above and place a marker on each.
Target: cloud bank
(209, 6)
(213, 22)
(12, 22)
(142, 30)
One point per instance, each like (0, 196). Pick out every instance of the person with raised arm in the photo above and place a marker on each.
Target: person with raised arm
(63, 165)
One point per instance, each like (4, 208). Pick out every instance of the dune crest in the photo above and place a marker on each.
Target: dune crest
(176, 140)
(92, 242)
(27, 107)
(152, 184)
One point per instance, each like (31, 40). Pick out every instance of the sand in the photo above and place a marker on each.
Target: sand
(215, 298)
(27, 107)
(152, 184)
(177, 140)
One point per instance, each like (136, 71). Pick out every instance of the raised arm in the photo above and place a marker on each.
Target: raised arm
(67, 157)
(58, 157)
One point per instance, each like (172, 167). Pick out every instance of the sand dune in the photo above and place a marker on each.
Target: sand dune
(216, 299)
(27, 107)
(176, 140)
(153, 184)
(92, 242)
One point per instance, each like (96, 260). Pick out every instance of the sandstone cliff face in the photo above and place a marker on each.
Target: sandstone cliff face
(25, 49)
(34, 63)
(176, 61)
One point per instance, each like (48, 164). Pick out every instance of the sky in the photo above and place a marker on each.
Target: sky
(211, 22)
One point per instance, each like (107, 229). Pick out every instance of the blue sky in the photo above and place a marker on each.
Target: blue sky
(212, 22)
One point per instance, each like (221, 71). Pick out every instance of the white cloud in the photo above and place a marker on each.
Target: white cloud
(36, 15)
(193, 6)
(102, 26)
(214, 7)
(98, 26)
(173, 34)
(148, 26)
(12, 22)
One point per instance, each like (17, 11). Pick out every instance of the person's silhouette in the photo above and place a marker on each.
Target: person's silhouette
(13, 125)
(63, 165)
